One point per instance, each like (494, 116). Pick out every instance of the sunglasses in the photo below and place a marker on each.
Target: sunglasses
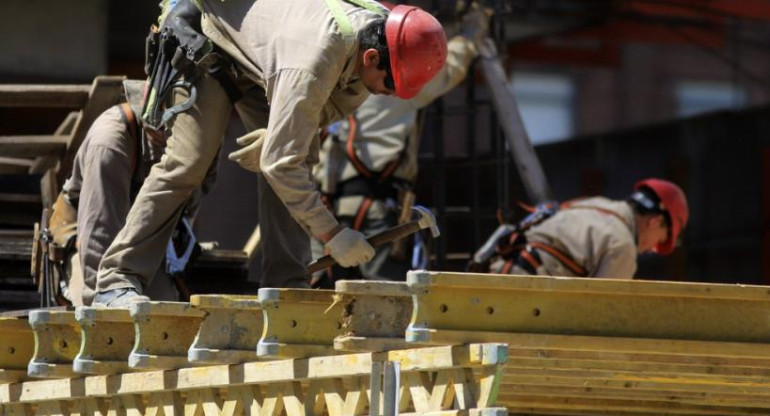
(389, 82)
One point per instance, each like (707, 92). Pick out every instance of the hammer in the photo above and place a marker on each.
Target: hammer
(425, 219)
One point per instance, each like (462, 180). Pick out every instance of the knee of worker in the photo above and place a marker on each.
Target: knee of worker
(182, 172)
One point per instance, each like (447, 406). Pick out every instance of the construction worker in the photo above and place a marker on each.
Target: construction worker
(303, 63)
(592, 237)
(368, 163)
(107, 172)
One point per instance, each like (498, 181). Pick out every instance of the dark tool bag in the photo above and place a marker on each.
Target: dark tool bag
(176, 55)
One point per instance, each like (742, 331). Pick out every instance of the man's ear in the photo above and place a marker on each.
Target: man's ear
(371, 57)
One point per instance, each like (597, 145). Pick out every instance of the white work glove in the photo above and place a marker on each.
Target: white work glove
(350, 248)
(248, 157)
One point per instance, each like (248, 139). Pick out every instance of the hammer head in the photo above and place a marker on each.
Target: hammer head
(425, 219)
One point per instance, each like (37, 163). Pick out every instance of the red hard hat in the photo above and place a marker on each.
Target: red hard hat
(674, 202)
(417, 46)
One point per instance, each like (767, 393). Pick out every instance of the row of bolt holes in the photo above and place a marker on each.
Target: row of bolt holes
(490, 310)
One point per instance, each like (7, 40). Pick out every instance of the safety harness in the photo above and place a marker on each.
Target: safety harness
(373, 185)
(511, 244)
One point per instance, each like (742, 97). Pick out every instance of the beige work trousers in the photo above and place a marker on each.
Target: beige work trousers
(196, 136)
(101, 184)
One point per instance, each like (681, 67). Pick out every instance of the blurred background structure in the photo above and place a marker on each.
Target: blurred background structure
(611, 91)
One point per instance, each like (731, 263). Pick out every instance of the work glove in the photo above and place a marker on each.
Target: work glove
(475, 24)
(248, 156)
(350, 248)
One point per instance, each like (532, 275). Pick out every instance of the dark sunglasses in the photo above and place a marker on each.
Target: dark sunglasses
(389, 82)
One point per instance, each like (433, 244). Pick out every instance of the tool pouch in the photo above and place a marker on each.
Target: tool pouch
(63, 228)
(175, 54)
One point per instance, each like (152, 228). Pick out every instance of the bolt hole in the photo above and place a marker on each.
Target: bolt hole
(490, 310)
(536, 312)
(11, 350)
(293, 323)
(63, 344)
(165, 335)
(109, 340)
(443, 308)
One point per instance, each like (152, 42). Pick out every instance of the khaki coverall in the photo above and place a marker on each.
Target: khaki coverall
(387, 130)
(106, 175)
(291, 57)
(603, 243)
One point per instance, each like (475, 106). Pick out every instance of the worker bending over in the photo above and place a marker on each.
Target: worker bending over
(591, 237)
(368, 162)
(288, 68)
(108, 170)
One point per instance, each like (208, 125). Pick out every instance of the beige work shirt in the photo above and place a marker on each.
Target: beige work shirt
(387, 125)
(294, 51)
(604, 244)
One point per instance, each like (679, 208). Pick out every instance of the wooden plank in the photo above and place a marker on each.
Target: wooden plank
(676, 348)
(105, 92)
(14, 166)
(19, 198)
(564, 403)
(32, 146)
(693, 398)
(44, 96)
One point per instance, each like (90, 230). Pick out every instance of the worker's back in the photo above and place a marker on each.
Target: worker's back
(597, 233)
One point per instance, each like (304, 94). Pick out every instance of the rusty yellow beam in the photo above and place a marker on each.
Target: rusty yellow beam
(375, 315)
(108, 338)
(230, 330)
(57, 342)
(164, 333)
(458, 302)
(16, 346)
(299, 323)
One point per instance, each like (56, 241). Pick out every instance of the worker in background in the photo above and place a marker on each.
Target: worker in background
(368, 162)
(302, 64)
(108, 170)
(591, 237)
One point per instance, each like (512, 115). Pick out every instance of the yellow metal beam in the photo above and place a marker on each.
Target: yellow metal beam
(229, 331)
(164, 333)
(375, 315)
(595, 307)
(299, 323)
(108, 337)
(16, 346)
(57, 342)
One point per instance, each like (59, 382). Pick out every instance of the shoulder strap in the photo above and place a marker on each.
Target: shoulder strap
(563, 258)
(343, 22)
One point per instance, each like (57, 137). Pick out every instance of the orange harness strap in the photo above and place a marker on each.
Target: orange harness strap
(130, 119)
(565, 259)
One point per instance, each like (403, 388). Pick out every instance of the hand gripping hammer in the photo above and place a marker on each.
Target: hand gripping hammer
(424, 219)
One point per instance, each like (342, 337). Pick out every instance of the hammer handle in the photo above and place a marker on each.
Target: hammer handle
(392, 234)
